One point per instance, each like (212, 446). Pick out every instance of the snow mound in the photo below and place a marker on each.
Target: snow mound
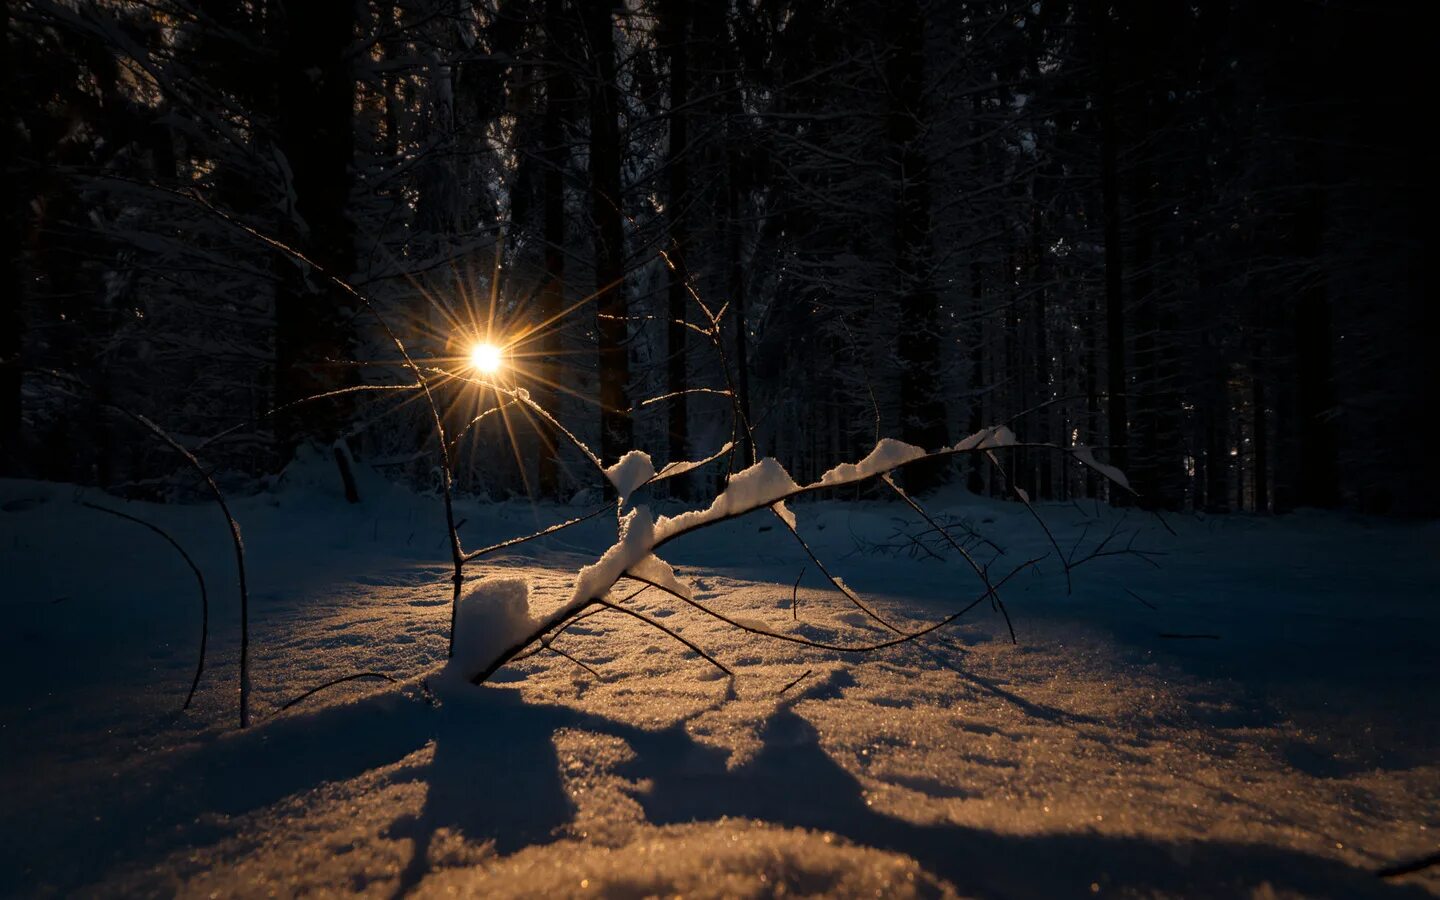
(633, 470)
(657, 571)
(494, 615)
(888, 454)
(759, 485)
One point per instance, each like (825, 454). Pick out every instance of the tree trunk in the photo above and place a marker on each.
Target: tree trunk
(676, 28)
(12, 319)
(1259, 427)
(616, 426)
(1114, 256)
(1318, 483)
(559, 96)
(315, 135)
(922, 409)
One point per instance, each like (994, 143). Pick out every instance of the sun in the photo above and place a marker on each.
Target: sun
(486, 358)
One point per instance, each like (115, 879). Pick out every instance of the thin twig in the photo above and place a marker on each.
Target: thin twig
(559, 652)
(329, 684)
(1141, 599)
(512, 542)
(803, 676)
(839, 585)
(199, 580)
(981, 573)
(839, 648)
(795, 596)
(653, 623)
(236, 540)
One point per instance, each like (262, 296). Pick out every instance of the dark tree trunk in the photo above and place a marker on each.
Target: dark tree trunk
(922, 409)
(315, 134)
(616, 426)
(1259, 427)
(676, 28)
(1318, 483)
(976, 461)
(12, 320)
(1114, 255)
(1044, 484)
(976, 478)
(738, 314)
(559, 97)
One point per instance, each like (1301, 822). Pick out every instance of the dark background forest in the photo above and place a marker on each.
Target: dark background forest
(1186, 234)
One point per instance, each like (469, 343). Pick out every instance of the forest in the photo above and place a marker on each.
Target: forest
(1184, 234)
(1115, 310)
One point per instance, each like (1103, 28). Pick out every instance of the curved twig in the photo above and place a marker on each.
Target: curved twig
(235, 537)
(199, 580)
(329, 684)
(655, 623)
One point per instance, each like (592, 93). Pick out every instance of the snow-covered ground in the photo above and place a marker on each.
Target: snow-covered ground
(1254, 717)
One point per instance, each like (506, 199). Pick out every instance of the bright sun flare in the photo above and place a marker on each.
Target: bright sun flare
(486, 358)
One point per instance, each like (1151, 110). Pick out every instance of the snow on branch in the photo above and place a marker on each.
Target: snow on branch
(764, 485)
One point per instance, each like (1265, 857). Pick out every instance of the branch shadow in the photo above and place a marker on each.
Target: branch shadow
(495, 776)
(793, 782)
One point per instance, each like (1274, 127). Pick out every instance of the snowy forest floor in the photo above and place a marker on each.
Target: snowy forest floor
(1290, 752)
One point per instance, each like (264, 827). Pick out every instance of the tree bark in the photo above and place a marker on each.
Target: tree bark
(676, 27)
(922, 409)
(616, 426)
(559, 97)
(12, 319)
(1114, 249)
(315, 135)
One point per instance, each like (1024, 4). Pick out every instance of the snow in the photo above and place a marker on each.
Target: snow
(1290, 756)
(656, 570)
(1086, 456)
(637, 537)
(629, 473)
(987, 439)
(493, 615)
(680, 467)
(751, 488)
(785, 514)
(888, 454)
